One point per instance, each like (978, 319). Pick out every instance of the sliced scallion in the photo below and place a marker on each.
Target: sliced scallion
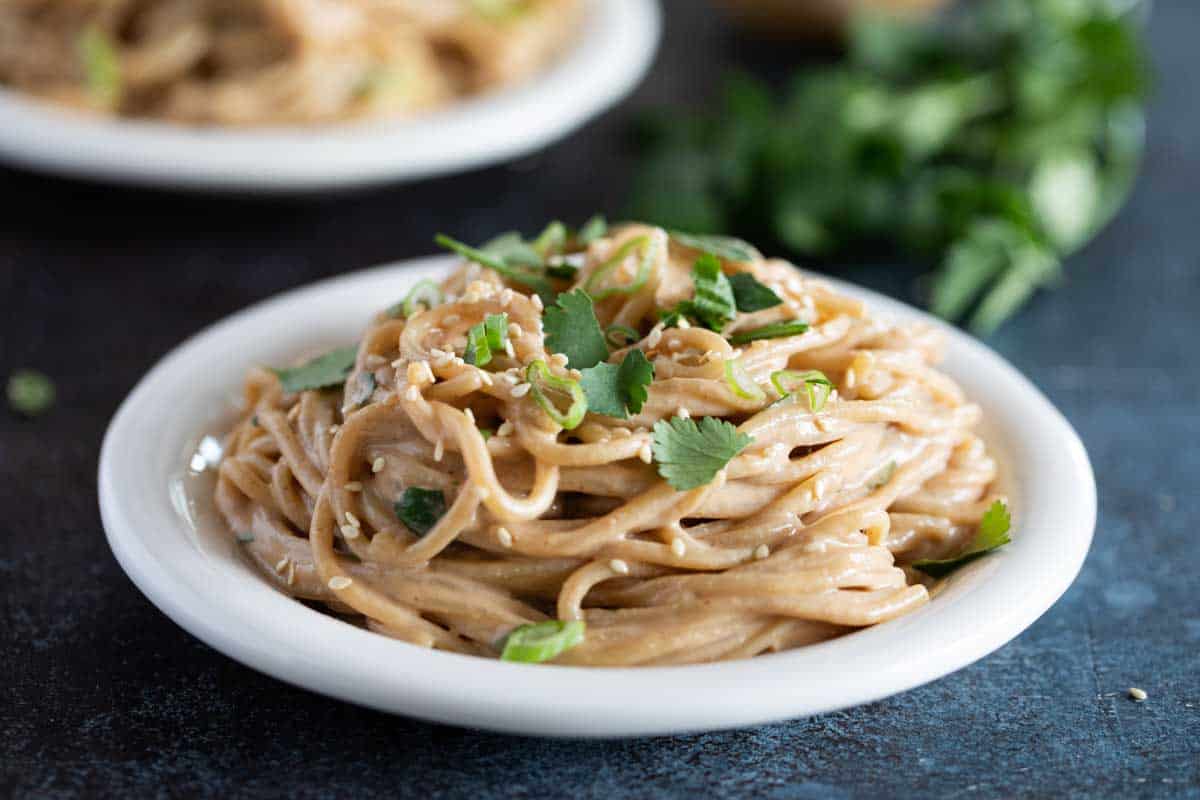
(620, 335)
(542, 641)
(597, 284)
(813, 382)
(740, 382)
(552, 393)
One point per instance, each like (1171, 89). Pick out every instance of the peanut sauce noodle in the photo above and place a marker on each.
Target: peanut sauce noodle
(263, 62)
(808, 533)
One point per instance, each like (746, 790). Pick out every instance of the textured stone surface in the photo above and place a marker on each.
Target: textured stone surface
(103, 695)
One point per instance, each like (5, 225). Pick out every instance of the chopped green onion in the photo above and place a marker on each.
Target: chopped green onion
(551, 240)
(542, 641)
(593, 284)
(478, 351)
(322, 372)
(30, 392)
(101, 66)
(815, 384)
(496, 327)
(595, 228)
(487, 433)
(740, 382)
(775, 330)
(547, 387)
(425, 293)
(620, 335)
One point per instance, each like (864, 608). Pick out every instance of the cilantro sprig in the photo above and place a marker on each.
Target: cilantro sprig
(507, 261)
(992, 533)
(322, 372)
(723, 247)
(573, 330)
(618, 390)
(751, 295)
(774, 330)
(690, 453)
(712, 304)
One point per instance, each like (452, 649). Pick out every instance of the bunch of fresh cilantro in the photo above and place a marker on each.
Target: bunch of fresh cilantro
(994, 141)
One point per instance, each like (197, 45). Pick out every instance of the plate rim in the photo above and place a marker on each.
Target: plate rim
(617, 44)
(350, 664)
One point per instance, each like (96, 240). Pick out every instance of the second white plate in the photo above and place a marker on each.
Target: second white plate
(166, 535)
(617, 42)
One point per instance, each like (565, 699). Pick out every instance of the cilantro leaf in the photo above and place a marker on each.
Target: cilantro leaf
(420, 509)
(774, 330)
(691, 453)
(712, 305)
(614, 390)
(726, 247)
(498, 258)
(330, 369)
(572, 329)
(750, 295)
(992, 533)
(513, 250)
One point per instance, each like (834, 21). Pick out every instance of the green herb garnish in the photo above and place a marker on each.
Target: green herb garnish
(750, 295)
(101, 67)
(562, 399)
(420, 509)
(542, 641)
(595, 228)
(598, 285)
(740, 382)
(618, 390)
(814, 383)
(30, 392)
(508, 266)
(551, 240)
(724, 247)
(572, 329)
(485, 339)
(322, 372)
(691, 453)
(712, 305)
(775, 330)
(424, 294)
(992, 533)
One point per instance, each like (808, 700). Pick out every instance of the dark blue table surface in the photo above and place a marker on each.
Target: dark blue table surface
(102, 695)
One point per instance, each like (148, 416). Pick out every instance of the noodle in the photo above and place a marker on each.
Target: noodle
(260, 62)
(808, 532)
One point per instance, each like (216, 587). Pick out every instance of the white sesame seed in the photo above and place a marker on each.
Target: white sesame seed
(483, 492)
(353, 520)
(506, 297)
(850, 378)
(291, 578)
(509, 350)
(761, 552)
(505, 429)
(654, 337)
(439, 450)
(398, 363)
(684, 324)
(674, 344)
(515, 330)
(683, 413)
(559, 360)
(374, 361)
(339, 582)
(412, 394)
(282, 565)
(506, 538)
(470, 415)
(486, 379)
(1138, 694)
(520, 390)
(378, 464)
(537, 302)
(678, 547)
(350, 532)
(437, 352)
(353, 486)
(618, 566)
(334, 428)
(645, 454)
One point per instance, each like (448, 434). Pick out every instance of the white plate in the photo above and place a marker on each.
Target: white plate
(171, 544)
(616, 45)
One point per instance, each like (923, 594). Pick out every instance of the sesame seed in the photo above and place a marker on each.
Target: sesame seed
(486, 379)
(683, 413)
(506, 297)
(850, 378)
(509, 350)
(398, 363)
(684, 324)
(374, 360)
(470, 415)
(339, 582)
(515, 330)
(674, 344)
(439, 450)
(537, 302)
(353, 520)
(678, 547)
(505, 429)
(412, 394)
(378, 464)
(1137, 694)
(437, 352)
(483, 492)
(761, 552)
(520, 390)
(618, 566)
(334, 428)
(506, 538)
(282, 565)
(350, 532)
(654, 337)
(291, 578)
(645, 454)
(353, 486)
